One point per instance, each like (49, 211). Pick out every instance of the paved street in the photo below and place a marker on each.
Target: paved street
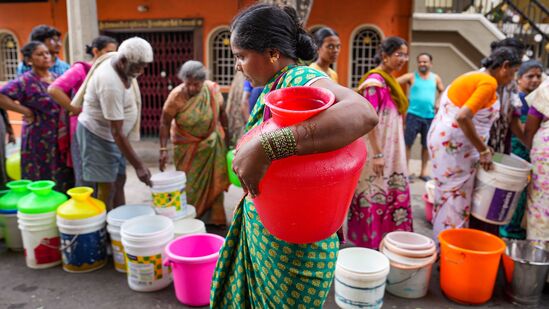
(21, 287)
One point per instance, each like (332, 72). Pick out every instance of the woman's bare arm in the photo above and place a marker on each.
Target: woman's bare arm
(349, 119)
(530, 129)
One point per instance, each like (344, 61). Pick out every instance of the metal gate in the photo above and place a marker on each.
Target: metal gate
(171, 50)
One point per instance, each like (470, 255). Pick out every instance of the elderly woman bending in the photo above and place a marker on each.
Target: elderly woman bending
(194, 112)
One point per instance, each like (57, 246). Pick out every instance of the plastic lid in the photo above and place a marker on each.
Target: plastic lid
(168, 178)
(18, 185)
(81, 206)
(362, 260)
(18, 189)
(43, 198)
(122, 213)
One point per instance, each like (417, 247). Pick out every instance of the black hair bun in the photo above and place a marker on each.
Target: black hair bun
(306, 49)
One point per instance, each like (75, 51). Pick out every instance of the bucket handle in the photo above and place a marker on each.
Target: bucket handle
(63, 248)
(45, 244)
(167, 262)
(403, 280)
(455, 258)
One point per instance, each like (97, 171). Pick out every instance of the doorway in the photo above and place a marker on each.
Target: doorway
(171, 49)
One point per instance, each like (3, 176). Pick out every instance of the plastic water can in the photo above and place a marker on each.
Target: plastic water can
(8, 213)
(305, 198)
(81, 222)
(36, 218)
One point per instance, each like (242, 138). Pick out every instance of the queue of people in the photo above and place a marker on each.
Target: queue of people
(77, 121)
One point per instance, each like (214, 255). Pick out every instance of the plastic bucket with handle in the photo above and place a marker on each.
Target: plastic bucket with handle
(498, 191)
(469, 262)
(144, 239)
(360, 278)
(168, 194)
(115, 219)
(193, 258)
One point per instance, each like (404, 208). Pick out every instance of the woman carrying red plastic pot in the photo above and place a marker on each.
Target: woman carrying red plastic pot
(256, 269)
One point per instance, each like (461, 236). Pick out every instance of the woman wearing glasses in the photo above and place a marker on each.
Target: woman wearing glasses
(381, 203)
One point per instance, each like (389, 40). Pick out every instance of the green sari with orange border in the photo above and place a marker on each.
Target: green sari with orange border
(199, 148)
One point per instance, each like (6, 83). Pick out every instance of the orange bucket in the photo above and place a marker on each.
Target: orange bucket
(469, 261)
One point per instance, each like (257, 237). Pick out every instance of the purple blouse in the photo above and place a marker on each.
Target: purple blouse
(534, 112)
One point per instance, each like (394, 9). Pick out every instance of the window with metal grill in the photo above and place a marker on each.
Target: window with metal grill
(221, 57)
(364, 45)
(8, 57)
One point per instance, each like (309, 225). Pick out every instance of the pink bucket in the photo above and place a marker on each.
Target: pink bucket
(192, 259)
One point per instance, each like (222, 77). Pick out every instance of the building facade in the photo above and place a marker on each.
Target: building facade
(180, 30)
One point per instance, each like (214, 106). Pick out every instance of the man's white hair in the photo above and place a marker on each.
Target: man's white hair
(136, 50)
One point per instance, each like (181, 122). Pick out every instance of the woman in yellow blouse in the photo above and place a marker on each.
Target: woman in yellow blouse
(329, 45)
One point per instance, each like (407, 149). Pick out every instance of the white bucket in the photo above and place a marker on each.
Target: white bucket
(115, 218)
(409, 277)
(168, 194)
(144, 239)
(188, 226)
(40, 239)
(360, 278)
(83, 243)
(498, 191)
(12, 234)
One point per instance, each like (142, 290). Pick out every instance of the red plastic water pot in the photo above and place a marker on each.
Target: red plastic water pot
(305, 199)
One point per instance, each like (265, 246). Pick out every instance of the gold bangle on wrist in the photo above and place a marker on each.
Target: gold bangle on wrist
(279, 144)
(163, 148)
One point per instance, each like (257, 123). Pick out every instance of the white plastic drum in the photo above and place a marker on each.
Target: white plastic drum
(40, 239)
(144, 239)
(168, 194)
(360, 278)
(115, 219)
(498, 191)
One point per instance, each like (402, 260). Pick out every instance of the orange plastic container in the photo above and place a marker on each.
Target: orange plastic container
(469, 261)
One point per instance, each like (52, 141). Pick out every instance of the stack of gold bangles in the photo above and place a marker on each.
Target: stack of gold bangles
(279, 143)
